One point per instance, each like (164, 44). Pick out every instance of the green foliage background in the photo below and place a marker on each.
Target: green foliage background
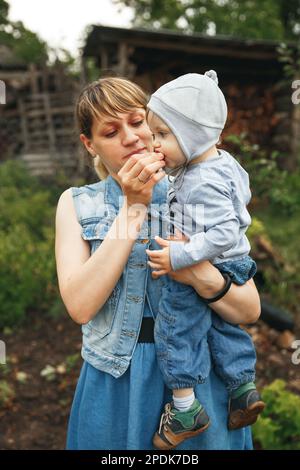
(279, 426)
(26, 46)
(267, 19)
(27, 265)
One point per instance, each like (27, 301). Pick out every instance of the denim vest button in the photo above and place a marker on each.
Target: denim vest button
(137, 265)
(134, 298)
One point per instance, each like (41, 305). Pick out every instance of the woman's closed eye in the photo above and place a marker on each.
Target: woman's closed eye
(111, 134)
(138, 123)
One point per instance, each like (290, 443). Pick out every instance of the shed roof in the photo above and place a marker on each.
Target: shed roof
(197, 42)
(150, 49)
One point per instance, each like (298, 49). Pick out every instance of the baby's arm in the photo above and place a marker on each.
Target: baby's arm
(220, 223)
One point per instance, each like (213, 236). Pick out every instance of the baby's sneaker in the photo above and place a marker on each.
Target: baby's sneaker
(245, 407)
(177, 426)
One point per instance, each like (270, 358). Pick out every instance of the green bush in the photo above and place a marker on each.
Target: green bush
(27, 265)
(285, 193)
(269, 183)
(256, 229)
(279, 426)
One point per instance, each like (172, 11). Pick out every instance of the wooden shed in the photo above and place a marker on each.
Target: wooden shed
(250, 74)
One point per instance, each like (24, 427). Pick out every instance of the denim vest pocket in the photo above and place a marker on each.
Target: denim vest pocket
(94, 232)
(102, 322)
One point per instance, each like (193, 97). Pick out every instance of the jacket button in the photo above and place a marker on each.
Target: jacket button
(146, 240)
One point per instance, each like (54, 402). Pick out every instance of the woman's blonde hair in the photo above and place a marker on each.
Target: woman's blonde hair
(104, 98)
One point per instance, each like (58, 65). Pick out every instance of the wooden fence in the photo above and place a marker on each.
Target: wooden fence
(41, 130)
(37, 123)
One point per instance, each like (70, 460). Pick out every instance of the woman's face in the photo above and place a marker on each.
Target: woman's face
(115, 140)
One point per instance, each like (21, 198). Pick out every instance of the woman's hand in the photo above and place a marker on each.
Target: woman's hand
(208, 279)
(139, 175)
(241, 304)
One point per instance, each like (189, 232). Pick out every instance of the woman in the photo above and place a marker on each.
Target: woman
(101, 238)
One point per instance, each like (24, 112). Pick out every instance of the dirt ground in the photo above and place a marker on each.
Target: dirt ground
(44, 361)
(36, 416)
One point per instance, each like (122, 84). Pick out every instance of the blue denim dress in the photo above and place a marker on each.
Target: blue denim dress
(123, 413)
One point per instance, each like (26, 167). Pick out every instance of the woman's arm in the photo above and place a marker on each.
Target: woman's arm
(241, 304)
(86, 281)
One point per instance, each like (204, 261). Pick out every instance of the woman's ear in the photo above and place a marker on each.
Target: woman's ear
(88, 144)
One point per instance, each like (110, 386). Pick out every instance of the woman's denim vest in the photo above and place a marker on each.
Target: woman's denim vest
(109, 339)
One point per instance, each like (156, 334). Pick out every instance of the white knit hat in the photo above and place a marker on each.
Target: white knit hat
(194, 108)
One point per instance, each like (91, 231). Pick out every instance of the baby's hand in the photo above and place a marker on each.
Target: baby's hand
(160, 259)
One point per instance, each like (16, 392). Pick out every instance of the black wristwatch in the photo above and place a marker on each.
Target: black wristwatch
(228, 281)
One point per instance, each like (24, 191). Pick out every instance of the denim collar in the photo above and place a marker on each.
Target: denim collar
(113, 193)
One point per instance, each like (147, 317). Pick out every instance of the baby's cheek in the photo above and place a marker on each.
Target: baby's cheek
(147, 139)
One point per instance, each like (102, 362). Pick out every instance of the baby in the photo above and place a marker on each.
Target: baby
(207, 201)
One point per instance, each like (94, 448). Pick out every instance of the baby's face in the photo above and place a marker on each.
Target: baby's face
(165, 142)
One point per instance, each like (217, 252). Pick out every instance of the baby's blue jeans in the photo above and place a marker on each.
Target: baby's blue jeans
(190, 338)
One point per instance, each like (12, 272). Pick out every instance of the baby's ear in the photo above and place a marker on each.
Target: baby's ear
(213, 75)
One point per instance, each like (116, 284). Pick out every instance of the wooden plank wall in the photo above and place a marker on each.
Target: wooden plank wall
(37, 124)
